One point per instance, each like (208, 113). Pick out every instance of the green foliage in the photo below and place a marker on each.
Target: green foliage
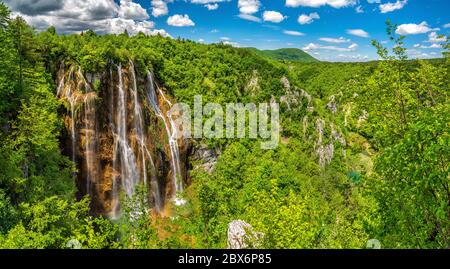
(403, 200)
(413, 190)
(294, 55)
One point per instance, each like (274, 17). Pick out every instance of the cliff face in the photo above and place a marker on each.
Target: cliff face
(120, 137)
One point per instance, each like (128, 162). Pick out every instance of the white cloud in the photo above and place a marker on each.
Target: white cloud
(414, 53)
(307, 19)
(433, 37)
(248, 6)
(212, 6)
(352, 58)
(334, 40)
(359, 9)
(294, 33)
(313, 46)
(119, 25)
(201, 40)
(273, 16)
(159, 8)
(178, 20)
(432, 46)
(373, 1)
(358, 32)
(102, 16)
(130, 10)
(234, 44)
(249, 17)
(414, 29)
(389, 7)
(225, 38)
(319, 3)
(447, 25)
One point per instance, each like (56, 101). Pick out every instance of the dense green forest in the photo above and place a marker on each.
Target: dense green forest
(294, 55)
(364, 152)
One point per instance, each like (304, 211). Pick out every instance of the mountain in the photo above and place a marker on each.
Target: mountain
(286, 54)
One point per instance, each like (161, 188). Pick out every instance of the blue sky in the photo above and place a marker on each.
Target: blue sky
(333, 30)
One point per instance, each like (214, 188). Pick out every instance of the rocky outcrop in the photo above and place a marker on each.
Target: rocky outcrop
(242, 236)
(294, 97)
(205, 158)
(325, 151)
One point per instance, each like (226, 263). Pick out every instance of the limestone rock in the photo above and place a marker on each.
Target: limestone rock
(241, 234)
(207, 157)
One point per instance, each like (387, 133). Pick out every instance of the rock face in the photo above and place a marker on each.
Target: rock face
(206, 157)
(241, 234)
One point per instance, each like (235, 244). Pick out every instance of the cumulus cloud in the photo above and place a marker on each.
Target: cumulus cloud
(294, 33)
(273, 16)
(414, 53)
(414, 29)
(119, 25)
(432, 46)
(389, 7)
(159, 8)
(180, 21)
(36, 7)
(447, 25)
(209, 4)
(334, 40)
(130, 10)
(249, 17)
(212, 6)
(307, 19)
(248, 6)
(433, 37)
(319, 3)
(102, 16)
(313, 46)
(358, 32)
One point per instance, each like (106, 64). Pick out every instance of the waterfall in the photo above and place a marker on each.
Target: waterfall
(139, 126)
(90, 131)
(66, 92)
(129, 173)
(120, 157)
(171, 131)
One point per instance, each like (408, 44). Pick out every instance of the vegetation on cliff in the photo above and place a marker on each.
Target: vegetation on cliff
(364, 153)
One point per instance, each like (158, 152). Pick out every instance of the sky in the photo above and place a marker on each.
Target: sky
(329, 30)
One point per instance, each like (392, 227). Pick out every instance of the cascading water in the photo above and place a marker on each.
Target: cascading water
(66, 92)
(129, 173)
(171, 133)
(114, 147)
(90, 132)
(139, 126)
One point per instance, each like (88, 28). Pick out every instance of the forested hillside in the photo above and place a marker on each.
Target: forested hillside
(364, 152)
(292, 54)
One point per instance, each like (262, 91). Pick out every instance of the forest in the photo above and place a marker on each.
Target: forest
(364, 151)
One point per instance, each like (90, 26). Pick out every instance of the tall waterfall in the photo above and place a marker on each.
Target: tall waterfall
(115, 142)
(65, 91)
(129, 173)
(171, 133)
(90, 132)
